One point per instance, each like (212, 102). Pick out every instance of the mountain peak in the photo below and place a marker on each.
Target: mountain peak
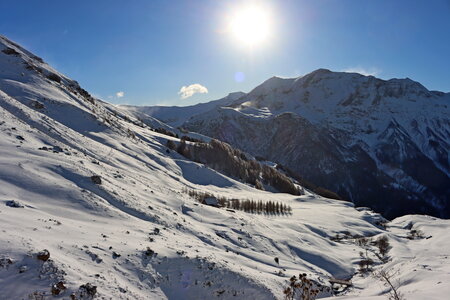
(235, 95)
(320, 71)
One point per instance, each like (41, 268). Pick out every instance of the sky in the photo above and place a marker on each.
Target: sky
(159, 52)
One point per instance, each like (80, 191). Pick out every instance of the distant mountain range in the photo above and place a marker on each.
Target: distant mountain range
(379, 143)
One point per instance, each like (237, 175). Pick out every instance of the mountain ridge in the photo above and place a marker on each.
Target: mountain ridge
(374, 115)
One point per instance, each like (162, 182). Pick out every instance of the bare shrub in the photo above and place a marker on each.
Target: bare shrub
(363, 242)
(301, 288)
(383, 246)
(365, 264)
(415, 234)
(386, 277)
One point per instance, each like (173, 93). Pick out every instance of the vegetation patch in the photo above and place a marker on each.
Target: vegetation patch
(308, 185)
(235, 163)
(54, 77)
(302, 287)
(246, 205)
(166, 132)
(10, 51)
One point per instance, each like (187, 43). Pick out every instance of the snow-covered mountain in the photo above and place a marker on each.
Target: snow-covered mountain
(380, 143)
(94, 205)
(177, 115)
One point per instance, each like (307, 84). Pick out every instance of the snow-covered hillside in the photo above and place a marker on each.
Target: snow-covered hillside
(92, 204)
(379, 143)
(177, 115)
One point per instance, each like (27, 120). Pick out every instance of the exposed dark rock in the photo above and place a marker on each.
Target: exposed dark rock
(58, 288)
(5, 262)
(87, 291)
(36, 104)
(54, 77)
(10, 51)
(14, 203)
(43, 255)
(96, 179)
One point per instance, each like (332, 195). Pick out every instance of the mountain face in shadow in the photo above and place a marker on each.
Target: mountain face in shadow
(379, 143)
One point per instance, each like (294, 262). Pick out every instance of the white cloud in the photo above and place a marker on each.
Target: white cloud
(188, 91)
(370, 71)
(120, 94)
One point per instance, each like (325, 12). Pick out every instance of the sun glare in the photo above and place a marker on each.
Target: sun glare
(250, 25)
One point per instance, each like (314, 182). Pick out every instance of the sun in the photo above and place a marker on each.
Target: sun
(250, 25)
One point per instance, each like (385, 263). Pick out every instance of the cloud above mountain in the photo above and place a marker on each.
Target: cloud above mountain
(190, 90)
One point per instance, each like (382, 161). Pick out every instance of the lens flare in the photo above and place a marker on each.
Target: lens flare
(250, 25)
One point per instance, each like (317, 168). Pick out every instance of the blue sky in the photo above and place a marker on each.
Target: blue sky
(149, 50)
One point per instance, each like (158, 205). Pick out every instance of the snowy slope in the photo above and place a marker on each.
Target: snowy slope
(138, 236)
(386, 141)
(177, 115)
